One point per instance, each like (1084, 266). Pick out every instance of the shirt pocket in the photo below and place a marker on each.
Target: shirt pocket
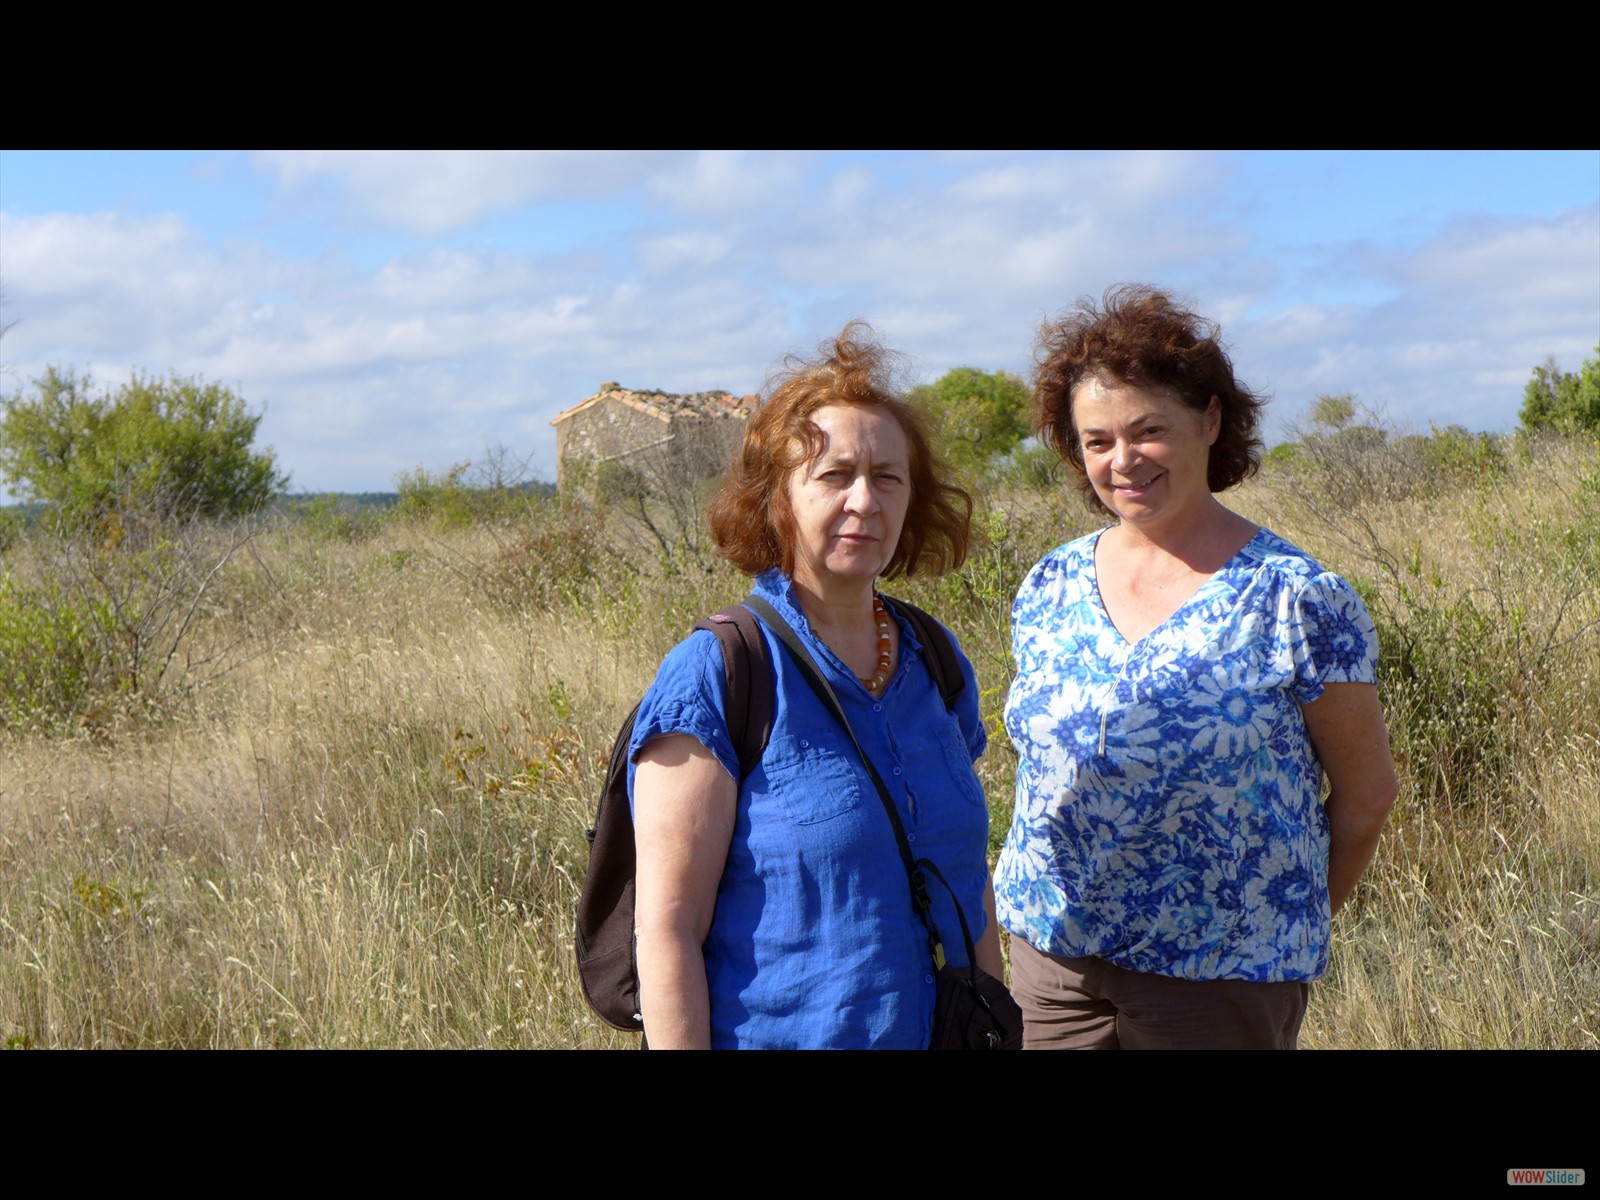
(812, 782)
(937, 763)
(958, 764)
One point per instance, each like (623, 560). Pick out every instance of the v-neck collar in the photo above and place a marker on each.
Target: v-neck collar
(1129, 647)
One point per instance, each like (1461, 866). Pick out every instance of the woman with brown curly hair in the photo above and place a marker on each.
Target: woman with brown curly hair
(773, 907)
(1185, 679)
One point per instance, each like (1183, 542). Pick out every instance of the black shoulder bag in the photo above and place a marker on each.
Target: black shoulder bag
(972, 1009)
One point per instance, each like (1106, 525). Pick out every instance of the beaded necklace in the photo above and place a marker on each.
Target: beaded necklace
(881, 675)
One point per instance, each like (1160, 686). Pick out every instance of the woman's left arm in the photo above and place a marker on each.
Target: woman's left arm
(1351, 740)
(988, 948)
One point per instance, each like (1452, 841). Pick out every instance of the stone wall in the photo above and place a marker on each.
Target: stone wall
(665, 440)
(605, 431)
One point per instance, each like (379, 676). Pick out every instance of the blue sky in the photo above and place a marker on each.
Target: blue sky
(397, 309)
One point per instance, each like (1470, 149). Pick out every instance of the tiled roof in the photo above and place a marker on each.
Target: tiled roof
(667, 405)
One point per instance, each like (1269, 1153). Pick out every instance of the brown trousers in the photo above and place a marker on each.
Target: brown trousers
(1089, 1004)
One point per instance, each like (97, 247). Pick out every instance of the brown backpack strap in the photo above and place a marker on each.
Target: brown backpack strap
(752, 702)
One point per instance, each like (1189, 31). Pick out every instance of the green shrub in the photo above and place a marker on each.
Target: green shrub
(976, 417)
(12, 526)
(556, 554)
(1454, 454)
(440, 499)
(180, 446)
(52, 661)
(122, 612)
(449, 500)
(1283, 456)
(330, 518)
(1455, 683)
(1350, 457)
(1564, 402)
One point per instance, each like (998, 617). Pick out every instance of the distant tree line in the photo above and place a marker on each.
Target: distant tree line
(180, 446)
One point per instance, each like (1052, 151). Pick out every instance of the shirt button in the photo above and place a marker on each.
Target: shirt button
(898, 771)
(911, 837)
(927, 979)
(804, 745)
(877, 708)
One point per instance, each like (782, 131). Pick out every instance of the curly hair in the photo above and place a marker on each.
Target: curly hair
(1140, 336)
(751, 521)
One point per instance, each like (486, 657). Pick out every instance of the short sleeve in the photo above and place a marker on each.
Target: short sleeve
(1334, 638)
(689, 696)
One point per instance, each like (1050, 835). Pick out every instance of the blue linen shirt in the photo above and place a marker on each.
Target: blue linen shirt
(814, 942)
(1168, 815)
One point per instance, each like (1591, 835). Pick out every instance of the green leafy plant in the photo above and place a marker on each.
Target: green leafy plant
(120, 612)
(978, 417)
(1566, 402)
(180, 445)
(329, 518)
(51, 660)
(442, 499)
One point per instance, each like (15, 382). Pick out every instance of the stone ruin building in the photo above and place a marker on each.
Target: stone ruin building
(667, 438)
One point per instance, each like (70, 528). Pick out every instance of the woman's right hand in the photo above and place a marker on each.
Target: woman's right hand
(684, 803)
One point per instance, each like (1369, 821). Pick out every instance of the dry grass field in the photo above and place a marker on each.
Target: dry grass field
(351, 810)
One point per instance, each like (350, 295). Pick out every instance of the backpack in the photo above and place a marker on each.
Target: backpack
(607, 967)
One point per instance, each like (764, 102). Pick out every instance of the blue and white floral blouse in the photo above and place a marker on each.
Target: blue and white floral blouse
(1168, 815)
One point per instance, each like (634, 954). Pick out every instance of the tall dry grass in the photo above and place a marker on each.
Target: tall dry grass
(1479, 923)
(368, 832)
(368, 836)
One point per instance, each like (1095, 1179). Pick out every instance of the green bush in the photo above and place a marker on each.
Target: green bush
(180, 447)
(977, 417)
(557, 554)
(1454, 454)
(1455, 681)
(123, 613)
(441, 499)
(52, 662)
(1476, 651)
(1351, 458)
(1565, 402)
(12, 527)
(1284, 456)
(330, 518)
(448, 499)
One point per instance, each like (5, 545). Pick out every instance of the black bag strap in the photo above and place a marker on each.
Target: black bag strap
(819, 684)
(966, 930)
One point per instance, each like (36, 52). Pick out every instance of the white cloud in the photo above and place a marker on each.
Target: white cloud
(721, 183)
(688, 250)
(132, 290)
(431, 192)
(1047, 229)
(1095, 182)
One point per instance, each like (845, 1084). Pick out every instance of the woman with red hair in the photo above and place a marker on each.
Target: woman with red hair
(773, 909)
